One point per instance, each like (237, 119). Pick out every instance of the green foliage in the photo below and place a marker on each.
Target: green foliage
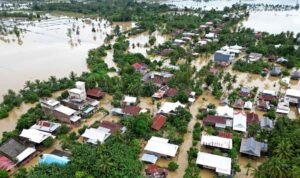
(256, 67)
(180, 120)
(197, 131)
(172, 166)
(3, 174)
(139, 125)
(48, 142)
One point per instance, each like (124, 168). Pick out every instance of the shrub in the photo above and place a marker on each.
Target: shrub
(172, 166)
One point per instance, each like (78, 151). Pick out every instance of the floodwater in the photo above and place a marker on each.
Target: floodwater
(140, 43)
(269, 21)
(221, 4)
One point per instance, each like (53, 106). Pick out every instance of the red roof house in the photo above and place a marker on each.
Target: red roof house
(158, 122)
(131, 110)
(171, 92)
(212, 120)
(225, 134)
(113, 127)
(95, 93)
(252, 118)
(6, 164)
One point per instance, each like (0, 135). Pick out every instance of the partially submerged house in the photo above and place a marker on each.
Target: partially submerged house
(77, 97)
(154, 171)
(6, 164)
(140, 67)
(169, 108)
(283, 107)
(112, 127)
(95, 136)
(220, 164)
(35, 136)
(217, 142)
(254, 57)
(238, 104)
(252, 118)
(266, 123)
(158, 122)
(225, 111)
(295, 75)
(217, 121)
(95, 93)
(292, 96)
(161, 147)
(223, 57)
(251, 147)
(245, 92)
(159, 79)
(276, 71)
(239, 122)
(16, 151)
(46, 126)
(248, 105)
(60, 112)
(129, 101)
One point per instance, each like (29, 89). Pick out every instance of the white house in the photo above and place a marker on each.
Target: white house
(129, 100)
(46, 126)
(240, 122)
(160, 146)
(215, 141)
(96, 135)
(221, 164)
(283, 107)
(35, 136)
(169, 107)
(225, 111)
(292, 96)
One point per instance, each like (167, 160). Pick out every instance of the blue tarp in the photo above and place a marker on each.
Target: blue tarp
(53, 159)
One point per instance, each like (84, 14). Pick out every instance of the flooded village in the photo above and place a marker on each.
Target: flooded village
(179, 89)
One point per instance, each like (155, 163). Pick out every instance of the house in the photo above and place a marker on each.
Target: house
(95, 136)
(236, 50)
(224, 101)
(169, 108)
(77, 97)
(250, 146)
(141, 68)
(275, 71)
(6, 164)
(60, 112)
(245, 92)
(171, 92)
(221, 164)
(263, 105)
(266, 123)
(211, 35)
(283, 107)
(225, 134)
(238, 104)
(153, 171)
(158, 122)
(240, 122)
(295, 75)
(112, 127)
(248, 105)
(159, 79)
(217, 121)
(225, 111)
(129, 101)
(282, 60)
(217, 142)
(131, 110)
(16, 151)
(149, 158)
(223, 57)
(35, 136)
(161, 147)
(95, 93)
(268, 95)
(292, 96)
(161, 92)
(46, 126)
(178, 42)
(254, 57)
(192, 97)
(252, 118)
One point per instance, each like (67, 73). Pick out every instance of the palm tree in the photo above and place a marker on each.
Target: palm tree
(284, 150)
(275, 168)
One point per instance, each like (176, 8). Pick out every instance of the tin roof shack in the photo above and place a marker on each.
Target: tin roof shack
(254, 57)
(220, 164)
(266, 123)
(292, 96)
(95, 93)
(161, 147)
(158, 122)
(112, 127)
(223, 57)
(240, 122)
(217, 121)
(216, 142)
(251, 147)
(276, 71)
(170, 108)
(17, 152)
(35, 136)
(95, 136)
(46, 126)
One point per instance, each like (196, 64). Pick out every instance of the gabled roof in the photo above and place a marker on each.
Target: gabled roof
(113, 127)
(46, 126)
(131, 110)
(161, 146)
(5, 163)
(225, 111)
(168, 107)
(12, 148)
(35, 136)
(251, 147)
(215, 141)
(221, 164)
(240, 122)
(158, 122)
(252, 118)
(266, 123)
(171, 92)
(214, 119)
(95, 135)
(95, 92)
